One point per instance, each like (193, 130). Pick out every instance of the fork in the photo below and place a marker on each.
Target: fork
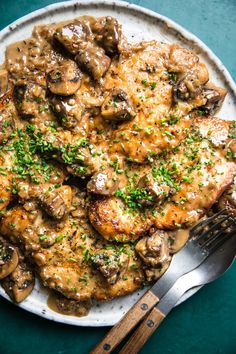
(213, 267)
(202, 239)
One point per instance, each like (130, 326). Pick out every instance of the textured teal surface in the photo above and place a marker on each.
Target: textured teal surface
(205, 324)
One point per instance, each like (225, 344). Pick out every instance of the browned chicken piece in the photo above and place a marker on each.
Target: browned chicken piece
(29, 99)
(66, 265)
(110, 217)
(182, 60)
(107, 34)
(154, 249)
(8, 258)
(72, 35)
(20, 283)
(3, 81)
(67, 109)
(215, 97)
(159, 124)
(30, 228)
(65, 79)
(93, 59)
(209, 174)
(200, 170)
(18, 226)
(117, 107)
(111, 264)
(156, 191)
(103, 183)
(63, 261)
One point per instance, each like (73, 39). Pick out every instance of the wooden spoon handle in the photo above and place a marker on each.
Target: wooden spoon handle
(143, 332)
(126, 324)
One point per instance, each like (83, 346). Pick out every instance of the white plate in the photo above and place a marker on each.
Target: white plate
(138, 24)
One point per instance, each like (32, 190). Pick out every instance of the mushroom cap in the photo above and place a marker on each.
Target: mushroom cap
(19, 284)
(118, 107)
(8, 258)
(65, 79)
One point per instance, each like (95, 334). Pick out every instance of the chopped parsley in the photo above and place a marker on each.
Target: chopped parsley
(172, 76)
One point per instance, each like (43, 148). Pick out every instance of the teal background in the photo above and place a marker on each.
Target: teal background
(205, 324)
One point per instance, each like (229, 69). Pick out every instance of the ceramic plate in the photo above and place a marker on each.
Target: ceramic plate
(138, 24)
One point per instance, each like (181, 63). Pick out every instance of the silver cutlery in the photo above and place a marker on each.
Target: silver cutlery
(213, 267)
(204, 239)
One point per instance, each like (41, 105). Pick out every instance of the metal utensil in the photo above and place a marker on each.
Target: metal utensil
(213, 267)
(203, 239)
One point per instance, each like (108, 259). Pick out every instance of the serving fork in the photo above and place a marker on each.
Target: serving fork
(213, 267)
(204, 239)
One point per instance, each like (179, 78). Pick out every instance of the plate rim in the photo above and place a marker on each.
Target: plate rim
(187, 35)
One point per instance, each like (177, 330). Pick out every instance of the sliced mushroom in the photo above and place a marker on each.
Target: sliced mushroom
(154, 249)
(118, 107)
(103, 183)
(72, 35)
(55, 201)
(215, 97)
(65, 79)
(157, 191)
(111, 264)
(29, 99)
(8, 258)
(67, 109)
(107, 34)
(188, 87)
(3, 81)
(20, 283)
(93, 59)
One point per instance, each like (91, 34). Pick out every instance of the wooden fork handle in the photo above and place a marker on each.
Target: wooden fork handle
(126, 324)
(143, 332)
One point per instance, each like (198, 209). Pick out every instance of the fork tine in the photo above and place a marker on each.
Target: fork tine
(213, 227)
(212, 236)
(201, 225)
(220, 241)
(216, 237)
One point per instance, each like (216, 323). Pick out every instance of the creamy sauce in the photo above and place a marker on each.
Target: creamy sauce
(180, 237)
(52, 303)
